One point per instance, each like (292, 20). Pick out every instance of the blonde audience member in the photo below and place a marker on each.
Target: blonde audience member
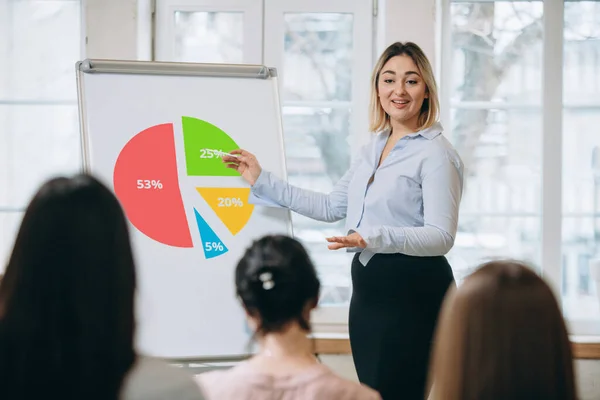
(67, 304)
(502, 336)
(278, 286)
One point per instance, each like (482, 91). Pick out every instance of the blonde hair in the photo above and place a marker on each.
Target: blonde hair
(501, 335)
(429, 114)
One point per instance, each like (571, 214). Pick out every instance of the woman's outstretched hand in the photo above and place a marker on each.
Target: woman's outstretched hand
(352, 240)
(245, 163)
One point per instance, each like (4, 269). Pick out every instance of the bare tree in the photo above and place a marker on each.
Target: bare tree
(485, 68)
(328, 130)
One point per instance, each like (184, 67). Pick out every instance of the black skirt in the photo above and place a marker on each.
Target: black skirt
(395, 303)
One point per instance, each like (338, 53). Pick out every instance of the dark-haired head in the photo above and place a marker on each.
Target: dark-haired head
(277, 284)
(67, 296)
(501, 335)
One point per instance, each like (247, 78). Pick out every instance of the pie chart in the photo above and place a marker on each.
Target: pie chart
(147, 183)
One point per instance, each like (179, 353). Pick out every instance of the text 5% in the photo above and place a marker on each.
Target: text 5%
(213, 246)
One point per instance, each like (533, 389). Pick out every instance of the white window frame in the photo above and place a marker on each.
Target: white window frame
(252, 15)
(552, 119)
(7, 100)
(263, 44)
(4, 29)
(362, 49)
(329, 318)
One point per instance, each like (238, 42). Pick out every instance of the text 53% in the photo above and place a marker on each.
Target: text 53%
(149, 184)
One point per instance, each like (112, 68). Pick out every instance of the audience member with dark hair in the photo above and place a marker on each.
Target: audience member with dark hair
(502, 336)
(67, 304)
(278, 287)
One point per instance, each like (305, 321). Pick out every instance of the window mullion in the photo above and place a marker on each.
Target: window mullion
(445, 73)
(553, 26)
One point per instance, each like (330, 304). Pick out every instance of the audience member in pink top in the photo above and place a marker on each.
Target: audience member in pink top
(278, 286)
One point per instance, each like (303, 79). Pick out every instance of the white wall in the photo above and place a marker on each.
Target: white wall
(407, 21)
(117, 29)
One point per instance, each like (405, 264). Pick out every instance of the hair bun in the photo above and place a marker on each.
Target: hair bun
(276, 280)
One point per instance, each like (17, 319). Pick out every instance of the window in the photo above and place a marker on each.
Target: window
(215, 31)
(40, 43)
(495, 124)
(318, 48)
(207, 36)
(502, 96)
(581, 166)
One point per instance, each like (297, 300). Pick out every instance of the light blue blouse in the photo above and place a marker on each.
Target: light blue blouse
(411, 207)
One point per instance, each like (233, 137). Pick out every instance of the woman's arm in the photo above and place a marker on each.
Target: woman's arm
(320, 206)
(266, 186)
(442, 191)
